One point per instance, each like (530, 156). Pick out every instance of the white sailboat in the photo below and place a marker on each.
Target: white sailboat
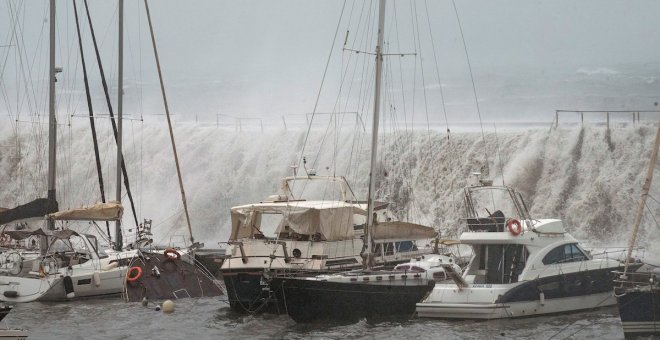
(70, 264)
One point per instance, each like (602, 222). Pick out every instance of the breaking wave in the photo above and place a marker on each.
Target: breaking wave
(590, 177)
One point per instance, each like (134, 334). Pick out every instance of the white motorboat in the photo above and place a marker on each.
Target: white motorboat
(520, 266)
(297, 237)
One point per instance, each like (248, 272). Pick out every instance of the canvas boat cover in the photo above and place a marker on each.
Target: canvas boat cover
(37, 208)
(397, 230)
(110, 211)
(331, 221)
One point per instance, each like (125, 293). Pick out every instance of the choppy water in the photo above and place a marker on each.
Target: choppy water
(210, 318)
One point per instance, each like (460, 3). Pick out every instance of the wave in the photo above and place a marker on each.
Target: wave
(589, 177)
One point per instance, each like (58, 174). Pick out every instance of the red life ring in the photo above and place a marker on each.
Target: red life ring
(132, 278)
(171, 254)
(514, 226)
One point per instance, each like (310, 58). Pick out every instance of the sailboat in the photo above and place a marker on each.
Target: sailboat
(363, 293)
(311, 237)
(638, 293)
(70, 264)
(74, 265)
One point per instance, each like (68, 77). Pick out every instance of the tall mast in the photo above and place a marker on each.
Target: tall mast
(120, 109)
(52, 120)
(52, 129)
(374, 136)
(642, 202)
(169, 123)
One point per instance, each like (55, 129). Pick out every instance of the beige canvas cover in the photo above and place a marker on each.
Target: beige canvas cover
(110, 211)
(394, 230)
(329, 223)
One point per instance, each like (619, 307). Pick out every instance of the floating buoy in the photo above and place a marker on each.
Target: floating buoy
(157, 308)
(168, 306)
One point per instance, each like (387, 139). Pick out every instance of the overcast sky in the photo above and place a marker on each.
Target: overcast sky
(260, 58)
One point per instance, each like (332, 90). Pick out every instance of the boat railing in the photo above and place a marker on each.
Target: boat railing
(634, 280)
(240, 247)
(287, 259)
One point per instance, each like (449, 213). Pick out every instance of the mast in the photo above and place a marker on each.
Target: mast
(52, 130)
(169, 123)
(374, 137)
(52, 120)
(642, 202)
(120, 109)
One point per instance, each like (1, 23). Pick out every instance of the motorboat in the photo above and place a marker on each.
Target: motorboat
(520, 266)
(287, 235)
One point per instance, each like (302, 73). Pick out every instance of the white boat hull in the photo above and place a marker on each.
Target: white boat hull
(514, 309)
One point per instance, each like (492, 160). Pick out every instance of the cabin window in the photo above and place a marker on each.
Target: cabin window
(565, 253)
(405, 246)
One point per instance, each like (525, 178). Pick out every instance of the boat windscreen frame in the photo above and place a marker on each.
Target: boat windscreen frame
(516, 198)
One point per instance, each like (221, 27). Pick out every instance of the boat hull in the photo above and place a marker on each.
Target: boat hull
(173, 279)
(514, 309)
(568, 292)
(313, 300)
(640, 312)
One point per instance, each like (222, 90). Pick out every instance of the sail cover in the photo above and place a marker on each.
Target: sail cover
(110, 211)
(37, 208)
(402, 230)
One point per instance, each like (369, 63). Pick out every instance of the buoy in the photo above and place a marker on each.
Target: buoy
(97, 279)
(542, 298)
(145, 302)
(157, 308)
(168, 306)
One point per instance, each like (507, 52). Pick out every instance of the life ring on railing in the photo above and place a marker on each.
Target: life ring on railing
(171, 254)
(514, 226)
(133, 274)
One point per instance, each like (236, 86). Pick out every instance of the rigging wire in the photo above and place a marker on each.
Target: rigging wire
(110, 112)
(318, 96)
(474, 87)
(92, 125)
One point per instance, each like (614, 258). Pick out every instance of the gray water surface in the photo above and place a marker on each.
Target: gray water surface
(210, 318)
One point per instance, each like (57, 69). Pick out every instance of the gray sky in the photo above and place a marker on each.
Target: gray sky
(266, 58)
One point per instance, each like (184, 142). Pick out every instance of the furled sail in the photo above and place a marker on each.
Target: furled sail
(402, 230)
(110, 211)
(37, 208)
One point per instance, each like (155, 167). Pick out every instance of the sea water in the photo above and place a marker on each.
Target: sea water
(211, 318)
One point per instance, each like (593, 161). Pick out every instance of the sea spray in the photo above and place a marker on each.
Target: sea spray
(571, 174)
